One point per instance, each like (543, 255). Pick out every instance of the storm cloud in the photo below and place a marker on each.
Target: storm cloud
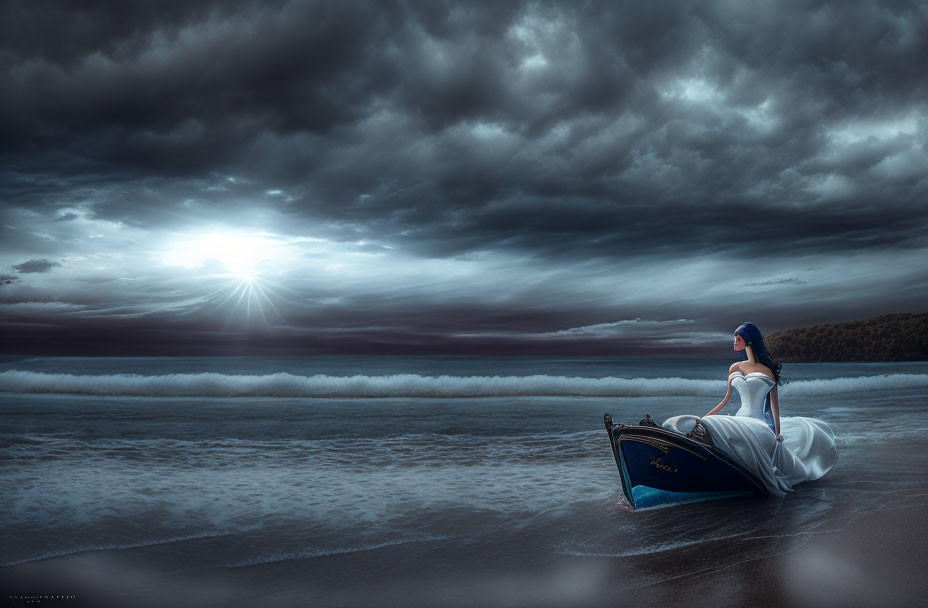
(42, 265)
(458, 177)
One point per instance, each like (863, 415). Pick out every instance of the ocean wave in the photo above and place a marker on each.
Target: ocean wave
(882, 436)
(412, 385)
(398, 385)
(827, 386)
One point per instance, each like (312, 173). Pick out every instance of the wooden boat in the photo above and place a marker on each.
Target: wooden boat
(660, 466)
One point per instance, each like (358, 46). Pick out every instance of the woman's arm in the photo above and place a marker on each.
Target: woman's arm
(719, 407)
(775, 410)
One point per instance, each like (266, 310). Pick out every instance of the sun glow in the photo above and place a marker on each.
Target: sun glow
(240, 255)
(251, 298)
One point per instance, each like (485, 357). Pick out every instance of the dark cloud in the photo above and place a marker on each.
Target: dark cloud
(547, 150)
(42, 265)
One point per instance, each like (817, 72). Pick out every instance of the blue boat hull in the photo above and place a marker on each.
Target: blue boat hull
(660, 467)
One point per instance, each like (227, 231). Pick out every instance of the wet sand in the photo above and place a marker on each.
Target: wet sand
(876, 559)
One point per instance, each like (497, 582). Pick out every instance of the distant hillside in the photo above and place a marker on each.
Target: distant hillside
(895, 337)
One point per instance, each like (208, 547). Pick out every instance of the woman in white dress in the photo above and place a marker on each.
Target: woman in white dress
(782, 452)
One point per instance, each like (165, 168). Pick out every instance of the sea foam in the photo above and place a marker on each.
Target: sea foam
(412, 385)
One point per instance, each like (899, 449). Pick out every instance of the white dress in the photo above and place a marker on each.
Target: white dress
(807, 451)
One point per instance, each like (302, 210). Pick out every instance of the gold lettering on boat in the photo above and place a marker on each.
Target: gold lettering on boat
(657, 463)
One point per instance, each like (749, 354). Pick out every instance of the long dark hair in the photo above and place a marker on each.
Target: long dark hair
(753, 338)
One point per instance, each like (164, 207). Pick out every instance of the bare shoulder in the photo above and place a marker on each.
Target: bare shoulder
(735, 367)
(748, 368)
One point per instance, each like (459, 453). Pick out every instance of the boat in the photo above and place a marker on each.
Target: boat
(661, 467)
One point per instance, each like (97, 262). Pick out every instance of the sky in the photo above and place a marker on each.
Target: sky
(576, 178)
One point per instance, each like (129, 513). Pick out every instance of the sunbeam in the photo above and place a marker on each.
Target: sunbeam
(247, 303)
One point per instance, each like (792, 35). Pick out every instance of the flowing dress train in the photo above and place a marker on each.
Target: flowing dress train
(807, 451)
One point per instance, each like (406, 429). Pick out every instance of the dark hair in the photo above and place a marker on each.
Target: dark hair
(754, 339)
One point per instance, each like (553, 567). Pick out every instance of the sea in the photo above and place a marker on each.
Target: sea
(389, 480)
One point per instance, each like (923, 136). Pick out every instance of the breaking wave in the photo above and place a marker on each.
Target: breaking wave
(411, 385)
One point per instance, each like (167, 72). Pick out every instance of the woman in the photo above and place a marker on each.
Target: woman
(781, 452)
(759, 364)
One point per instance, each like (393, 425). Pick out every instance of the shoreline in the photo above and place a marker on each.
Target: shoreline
(870, 561)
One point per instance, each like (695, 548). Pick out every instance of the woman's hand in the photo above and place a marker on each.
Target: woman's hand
(779, 437)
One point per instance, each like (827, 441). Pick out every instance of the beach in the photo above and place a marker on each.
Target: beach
(392, 500)
(875, 560)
